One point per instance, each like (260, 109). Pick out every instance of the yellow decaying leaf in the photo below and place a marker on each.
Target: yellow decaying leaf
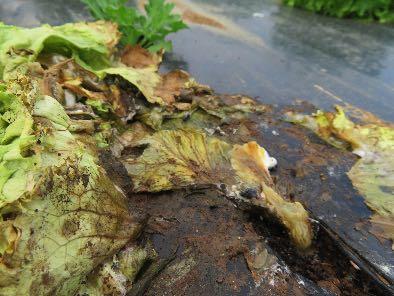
(176, 159)
(250, 161)
(292, 214)
(9, 236)
(373, 174)
(145, 80)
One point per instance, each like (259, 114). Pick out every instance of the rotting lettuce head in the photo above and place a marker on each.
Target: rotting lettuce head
(174, 159)
(69, 218)
(91, 45)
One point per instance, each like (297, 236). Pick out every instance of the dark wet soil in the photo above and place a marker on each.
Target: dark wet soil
(210, 237)
(326, 264)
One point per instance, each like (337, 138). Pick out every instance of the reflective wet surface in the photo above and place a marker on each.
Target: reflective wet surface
(299, 55)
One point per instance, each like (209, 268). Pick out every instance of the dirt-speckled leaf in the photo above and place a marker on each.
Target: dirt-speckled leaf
(178, 158)
(76, 218)
(175, 159)
(70, 217)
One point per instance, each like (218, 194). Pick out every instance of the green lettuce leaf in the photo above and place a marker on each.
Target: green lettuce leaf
(149, 30)
(16, 139)
(89, 43)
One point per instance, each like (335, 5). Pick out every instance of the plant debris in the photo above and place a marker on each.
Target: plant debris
(88, 131)
(373, 174)
(66, 93)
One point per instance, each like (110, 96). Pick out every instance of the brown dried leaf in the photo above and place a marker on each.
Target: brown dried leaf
(138, 57)
(171, 85)
(68, 74)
